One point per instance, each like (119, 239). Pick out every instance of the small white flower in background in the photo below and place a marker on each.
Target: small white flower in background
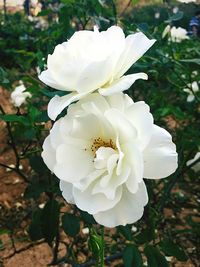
(186, 1)
(93, 60)
(194, 74)
(85, 231)
(196, 167)
(191, 89)
(134, 229)
(18, 96)
(102, 149)
(157, 15)
(177, 35)
(175, 9)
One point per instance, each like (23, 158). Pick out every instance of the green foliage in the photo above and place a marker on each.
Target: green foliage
(132, 257)
(171, 249)
(70, 224)
(154, 257)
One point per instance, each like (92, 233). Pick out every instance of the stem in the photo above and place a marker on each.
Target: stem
(102, 247)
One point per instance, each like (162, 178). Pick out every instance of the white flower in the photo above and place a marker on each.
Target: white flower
(196, 167)
(186, 1)
(175, 9)
(102, 149)
(177, 35)
(18, 96)
(93, 60)
(157, 15)
(191, 89)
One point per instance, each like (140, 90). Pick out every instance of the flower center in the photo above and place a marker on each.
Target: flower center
(99, 142)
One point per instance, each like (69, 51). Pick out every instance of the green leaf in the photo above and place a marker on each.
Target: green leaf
(177, 16)
(35, 188)
(95, 244)
(191, 60)
(70, 224)
(35, 230)
(126, 232)
(50, 220)
(14, 118)
(154, 257)
(146, 235)
(87, 218)
(37, 164)
(171, 249)
(132, 257)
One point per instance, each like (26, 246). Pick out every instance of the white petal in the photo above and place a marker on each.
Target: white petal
(124, 128)
(140, 116)
(160, 157)
(47, 78)
(57, 104)
(122, 84)
(73, 163)
(136, 45)
(190, 98)
(119, 101)
(93, 203)
(134, 159)
(66, 189)
(129, 209)
(48, 153)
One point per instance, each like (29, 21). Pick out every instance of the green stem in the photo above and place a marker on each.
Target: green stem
(102, 247)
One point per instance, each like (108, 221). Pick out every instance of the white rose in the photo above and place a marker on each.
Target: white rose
(93, 60)
(191, 89)
(18, 96)
(102, 149)
(178, 34)
(195, 167)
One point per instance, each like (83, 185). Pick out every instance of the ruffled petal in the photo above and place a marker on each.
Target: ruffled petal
(93, 203)
(129, 209)
(66, 189)
(136, 45)
(72, 164)
(48, 153)
(57, 103)
(122, 84)
(160, 157)
(47, 79)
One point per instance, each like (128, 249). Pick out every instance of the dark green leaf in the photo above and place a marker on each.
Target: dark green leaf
(14, 118)
(191, 60)
(154, 257)
(50, 220)
(171, 249)
(132, 256)
(126, 231)
(70, 224)
(35, 230)
(87, 218)
(37, 164)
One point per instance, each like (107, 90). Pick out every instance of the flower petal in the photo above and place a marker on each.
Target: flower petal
(68, 158)
(136, 45)
(57, 103)
(93, 203)
(47, 79)
(160, 157)
(48, 153)
(129, 209)
(122, 84)
(66, 189)
(140, 116)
